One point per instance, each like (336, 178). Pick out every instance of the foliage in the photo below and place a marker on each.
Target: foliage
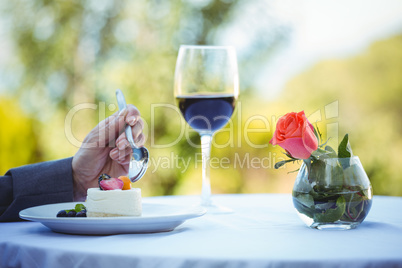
(72, 53)
(18, 137)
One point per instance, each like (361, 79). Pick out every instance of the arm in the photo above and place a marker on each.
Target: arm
(34, 185)
(104, 150)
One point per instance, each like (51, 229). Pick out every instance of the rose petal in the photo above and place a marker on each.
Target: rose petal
(296, 148)
(295, 134)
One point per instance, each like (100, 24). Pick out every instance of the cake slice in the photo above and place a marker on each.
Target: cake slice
(113, 203)
(113, 198)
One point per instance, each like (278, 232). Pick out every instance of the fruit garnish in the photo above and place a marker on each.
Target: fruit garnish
(126, 181)
(111, 184)
(82, 213)
(79, 207)
(71, 213)
(62, 213)
(79, 211)
(103, 176)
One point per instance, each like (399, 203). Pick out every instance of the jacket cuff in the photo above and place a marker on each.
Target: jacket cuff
(40, 184)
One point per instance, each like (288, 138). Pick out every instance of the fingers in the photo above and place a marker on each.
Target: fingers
(133, 115)
(109, 129)
(122, 152)
(130, 115)
(140, 141)
(138, 136)
(122, 143)
(121, 156)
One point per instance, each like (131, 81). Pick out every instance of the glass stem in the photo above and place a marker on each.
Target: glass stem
(206, 140)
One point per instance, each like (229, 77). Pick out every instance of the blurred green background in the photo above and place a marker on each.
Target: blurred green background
(61, 61)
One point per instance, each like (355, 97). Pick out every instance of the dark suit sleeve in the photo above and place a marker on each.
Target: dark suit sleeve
(34, 185)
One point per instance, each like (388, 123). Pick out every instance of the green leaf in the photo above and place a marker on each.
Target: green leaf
(352, 173)
(332, 215)
(328, 152)
(294, 171)
(316, 131)
(306, 200)
(281, 163)
(344, 149)
(79, 207)
(322, 145)
(304, 204)
(319, 152)
(307, 162)
(291, 157)
(332, 153)
(337, 177)
(317, 172)
(354, 205)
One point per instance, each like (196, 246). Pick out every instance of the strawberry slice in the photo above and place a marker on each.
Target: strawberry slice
(111, 184)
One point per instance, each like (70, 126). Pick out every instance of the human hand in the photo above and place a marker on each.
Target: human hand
(106, 150)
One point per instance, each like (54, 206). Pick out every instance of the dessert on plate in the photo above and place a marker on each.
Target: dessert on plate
(113, 198)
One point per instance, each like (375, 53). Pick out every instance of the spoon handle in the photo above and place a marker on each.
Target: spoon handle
(121, 102)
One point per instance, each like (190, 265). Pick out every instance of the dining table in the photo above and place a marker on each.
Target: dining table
(263, 230)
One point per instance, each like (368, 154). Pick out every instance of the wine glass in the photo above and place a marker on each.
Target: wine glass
(206, 87)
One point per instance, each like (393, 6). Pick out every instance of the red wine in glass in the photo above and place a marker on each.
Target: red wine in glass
(206, 88)
(206, 113)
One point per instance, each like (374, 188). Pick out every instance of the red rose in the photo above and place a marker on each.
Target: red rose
(295, 134)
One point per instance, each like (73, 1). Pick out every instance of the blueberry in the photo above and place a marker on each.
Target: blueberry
(62, 213)
(82, 213)
(71, 213)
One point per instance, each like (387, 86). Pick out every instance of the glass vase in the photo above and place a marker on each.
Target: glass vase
(333, 193)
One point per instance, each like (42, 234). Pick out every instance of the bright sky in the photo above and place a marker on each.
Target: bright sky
(326, 29)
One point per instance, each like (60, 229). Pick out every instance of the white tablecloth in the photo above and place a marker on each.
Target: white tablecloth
(264, 231)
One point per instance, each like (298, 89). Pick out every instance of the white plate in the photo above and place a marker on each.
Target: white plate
(154, 218)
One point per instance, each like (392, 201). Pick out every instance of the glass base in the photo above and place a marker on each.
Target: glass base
(213, 208)
(336, 226)
(333, 226)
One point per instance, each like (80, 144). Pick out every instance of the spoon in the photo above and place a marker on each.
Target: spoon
(139, 159)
